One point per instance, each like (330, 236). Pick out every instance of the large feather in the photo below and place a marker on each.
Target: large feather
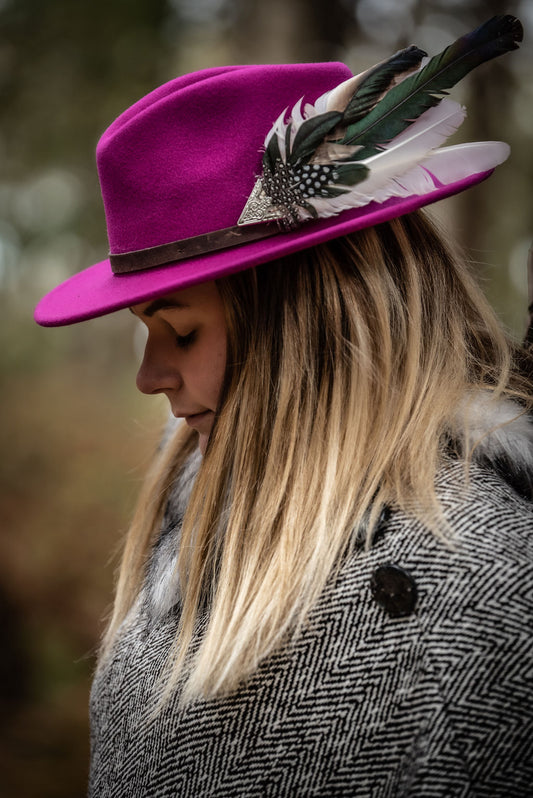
(443, 166)
(451, 163)
(429, 131)
(425, 89)
(372, 136)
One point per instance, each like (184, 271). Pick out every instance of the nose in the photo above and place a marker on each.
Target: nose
(158, 372)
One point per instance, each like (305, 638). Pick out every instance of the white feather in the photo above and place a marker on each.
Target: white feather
(402, 170)
(397, 170)
(443, 166)
(429, 131)
(297, 117)
(426, 133)
(453, 163)
(414, 181)
(278, 129)
(321, 105)
(338, 98)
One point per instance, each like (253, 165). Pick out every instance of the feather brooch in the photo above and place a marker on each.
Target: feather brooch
(377, 135)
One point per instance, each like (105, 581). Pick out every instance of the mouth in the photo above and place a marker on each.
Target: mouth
(200, 421)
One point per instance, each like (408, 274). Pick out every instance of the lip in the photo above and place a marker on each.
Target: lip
(200, 421)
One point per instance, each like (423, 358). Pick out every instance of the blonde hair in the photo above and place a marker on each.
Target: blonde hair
(346, 364)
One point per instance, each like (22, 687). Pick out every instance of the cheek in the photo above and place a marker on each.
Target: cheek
(212, 369)
(219, 369)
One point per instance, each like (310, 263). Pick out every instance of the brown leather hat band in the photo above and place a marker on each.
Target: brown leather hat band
(152, 257)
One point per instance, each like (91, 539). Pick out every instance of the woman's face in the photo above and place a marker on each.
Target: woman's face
(185, 354)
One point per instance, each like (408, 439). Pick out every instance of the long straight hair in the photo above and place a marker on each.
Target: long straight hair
(346, 366)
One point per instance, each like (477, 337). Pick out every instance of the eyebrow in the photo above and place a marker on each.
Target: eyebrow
(161, 304)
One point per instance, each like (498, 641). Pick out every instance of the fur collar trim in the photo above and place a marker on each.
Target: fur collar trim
(497, 433)
(162, 585)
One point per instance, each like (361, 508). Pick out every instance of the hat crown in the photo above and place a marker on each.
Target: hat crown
(182, 161)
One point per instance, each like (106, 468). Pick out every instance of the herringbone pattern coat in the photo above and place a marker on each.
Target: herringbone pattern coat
(435, 702)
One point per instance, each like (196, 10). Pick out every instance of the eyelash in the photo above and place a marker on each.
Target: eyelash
(185, 341)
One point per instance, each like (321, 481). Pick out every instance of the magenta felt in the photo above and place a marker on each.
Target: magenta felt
(96, 291)
(184, 160)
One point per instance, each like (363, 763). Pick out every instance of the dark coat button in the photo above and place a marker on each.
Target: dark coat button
(394, 589)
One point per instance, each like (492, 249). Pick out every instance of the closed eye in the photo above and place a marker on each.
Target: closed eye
(185, 341)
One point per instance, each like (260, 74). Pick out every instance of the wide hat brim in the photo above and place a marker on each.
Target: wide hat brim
(187, 170)
(97, 291)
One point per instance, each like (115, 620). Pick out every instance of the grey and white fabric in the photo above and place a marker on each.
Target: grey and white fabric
(413, 677)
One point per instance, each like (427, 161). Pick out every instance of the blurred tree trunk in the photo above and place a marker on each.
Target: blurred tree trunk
(489, 103)
(302, 30)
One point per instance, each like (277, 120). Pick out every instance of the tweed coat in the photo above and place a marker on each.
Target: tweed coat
(413, 676)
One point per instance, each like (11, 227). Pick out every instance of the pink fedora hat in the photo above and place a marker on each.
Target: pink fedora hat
(227, 168)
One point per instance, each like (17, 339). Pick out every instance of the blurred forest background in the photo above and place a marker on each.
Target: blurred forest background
(76, 438)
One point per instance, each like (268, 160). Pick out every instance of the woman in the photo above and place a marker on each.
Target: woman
(325, 589)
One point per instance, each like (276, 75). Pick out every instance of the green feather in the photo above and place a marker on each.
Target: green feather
(351, 174)
(379, 80)
(272, 154)
(425, 89)
(311, 134)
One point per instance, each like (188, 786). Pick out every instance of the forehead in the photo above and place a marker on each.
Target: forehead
(204, 297)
